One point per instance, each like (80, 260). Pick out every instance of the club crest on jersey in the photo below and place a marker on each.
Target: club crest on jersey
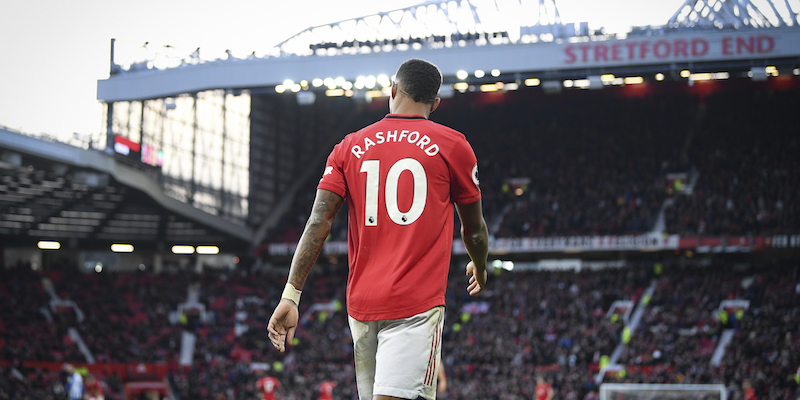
(475, 175)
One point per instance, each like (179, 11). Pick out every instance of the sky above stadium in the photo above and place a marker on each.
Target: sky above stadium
(53, 51)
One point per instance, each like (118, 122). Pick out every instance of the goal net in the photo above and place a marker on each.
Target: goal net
(647, 391)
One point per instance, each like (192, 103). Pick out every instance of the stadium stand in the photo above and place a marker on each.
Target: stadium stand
(579, 163)
(744, 150)
(542, 175)
(551, 323)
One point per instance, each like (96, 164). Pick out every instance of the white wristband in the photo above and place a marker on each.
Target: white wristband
(289, 292)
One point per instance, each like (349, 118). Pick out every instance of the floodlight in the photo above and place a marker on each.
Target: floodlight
(207, 250)
(122, 248)
(49, 245)
(182, 249)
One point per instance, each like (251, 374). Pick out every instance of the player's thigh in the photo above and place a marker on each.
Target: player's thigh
(365, 346)
(408, 355)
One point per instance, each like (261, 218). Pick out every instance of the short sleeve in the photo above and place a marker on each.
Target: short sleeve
(464, 184)
(333, 175)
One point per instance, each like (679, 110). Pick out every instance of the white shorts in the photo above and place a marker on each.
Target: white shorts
(398, 357)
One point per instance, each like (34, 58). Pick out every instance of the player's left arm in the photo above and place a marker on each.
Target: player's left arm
(283, 322)
(442, 380)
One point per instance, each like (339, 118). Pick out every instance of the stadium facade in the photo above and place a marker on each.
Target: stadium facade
(223, 146)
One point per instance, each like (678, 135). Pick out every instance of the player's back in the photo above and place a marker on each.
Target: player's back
(401, 176)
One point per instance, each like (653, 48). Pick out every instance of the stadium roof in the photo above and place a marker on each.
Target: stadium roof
(519, 39)
(51, 190)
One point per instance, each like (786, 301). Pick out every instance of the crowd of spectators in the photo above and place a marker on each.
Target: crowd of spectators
(594, 166)
(595, 163)
(126, 314)
(745, 152)
(679, 326)
(573, 164)
(764, 351)
(528, 324)
(30, 329)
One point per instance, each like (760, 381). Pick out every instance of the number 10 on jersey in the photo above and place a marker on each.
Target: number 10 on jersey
(373, 170)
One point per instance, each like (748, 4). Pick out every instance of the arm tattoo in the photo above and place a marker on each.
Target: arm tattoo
(326, 205)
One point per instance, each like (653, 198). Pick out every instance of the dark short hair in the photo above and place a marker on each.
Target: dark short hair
(420, 80)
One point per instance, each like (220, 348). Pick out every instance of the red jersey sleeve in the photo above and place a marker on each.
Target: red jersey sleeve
(463, 166)
(333, 176)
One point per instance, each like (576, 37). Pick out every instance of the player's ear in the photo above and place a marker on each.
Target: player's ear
(394, 90)
(436, 103)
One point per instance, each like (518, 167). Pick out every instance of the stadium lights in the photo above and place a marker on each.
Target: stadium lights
(334, 92)
(582, 83)
(489, 88)
(296, 88)
(512, 86)
(347, 85)
(359, 84)
(461, 74)
(495, 72)
(771, 70)
(339, 81)
(207, 250)
(48, 245)
(532, 82)
(685, 73)
(387, 91)
(709, 76)
(479, 73)
(288, 83)
(506, 265)
(461, 86)
(374, 93)
(384, 81)
(569, 83)
(98, 267)
(659, 77)
(370, 81)
(796, 71)
(317, 82)
(181, 249)
(633, 80)
(280, 88)
(122, 248)
(304, 83)
(607, 78)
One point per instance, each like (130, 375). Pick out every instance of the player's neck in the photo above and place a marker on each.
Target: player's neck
(403, 105)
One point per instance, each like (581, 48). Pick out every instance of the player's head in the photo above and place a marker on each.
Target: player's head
(419, 81)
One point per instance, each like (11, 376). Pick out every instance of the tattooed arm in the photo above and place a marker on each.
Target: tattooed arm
(326, 205)
(283, 322)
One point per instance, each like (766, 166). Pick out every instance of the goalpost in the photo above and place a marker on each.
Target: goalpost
(652, 391)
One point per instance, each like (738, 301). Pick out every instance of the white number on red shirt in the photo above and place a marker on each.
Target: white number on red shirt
(372, 168)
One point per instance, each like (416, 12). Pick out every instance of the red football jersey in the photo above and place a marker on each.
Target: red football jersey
(543, 391)
(401, 176)
(326, 390)
(268, 385)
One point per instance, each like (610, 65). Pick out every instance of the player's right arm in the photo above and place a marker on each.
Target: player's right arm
(283, 322)
(476, 239)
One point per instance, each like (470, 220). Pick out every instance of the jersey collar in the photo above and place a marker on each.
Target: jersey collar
(398, 116)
